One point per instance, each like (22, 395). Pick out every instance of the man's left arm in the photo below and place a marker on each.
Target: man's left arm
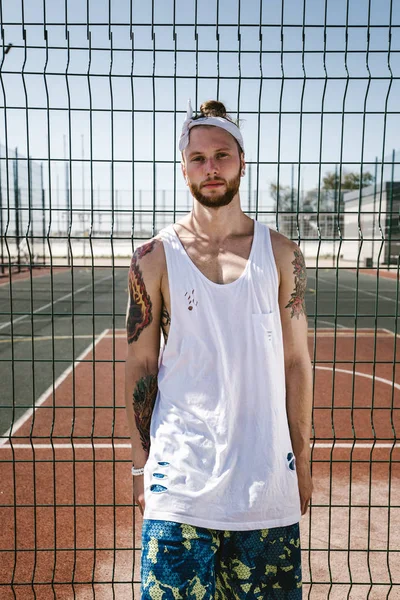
(298, 373)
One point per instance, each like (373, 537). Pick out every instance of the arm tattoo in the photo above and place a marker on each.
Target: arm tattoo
(139, 313)
(297, 302)
(144, 397)
(165, 321)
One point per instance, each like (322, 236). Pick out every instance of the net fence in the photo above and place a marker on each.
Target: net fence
(93, 96)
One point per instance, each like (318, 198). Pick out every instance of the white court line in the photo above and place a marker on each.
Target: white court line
(14, 281)
(44, 396)
(366, 375)
(356, 445)
(348, 287)
(22, 317)
(95, 446)
(332, 323)
(350, 331)
(67, 446)
(362, 272)
(45, 338)
(392, 333)
(14, 428)
(48, 338)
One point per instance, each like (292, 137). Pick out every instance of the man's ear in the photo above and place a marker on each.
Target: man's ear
(183, 170)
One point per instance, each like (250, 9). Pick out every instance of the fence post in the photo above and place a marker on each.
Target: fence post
(163, 205)
(249, 189)
(292, 203)
(1, 222)
(389, 215)
(68, 203)
(43, 216)
(335, 209)
(31, 217)
(374, 212)
(140, 210)
(16, 207)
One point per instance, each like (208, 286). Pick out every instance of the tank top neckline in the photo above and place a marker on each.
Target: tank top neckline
(213, 283)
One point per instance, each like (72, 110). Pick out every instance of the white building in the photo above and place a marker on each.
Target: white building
(371, 225)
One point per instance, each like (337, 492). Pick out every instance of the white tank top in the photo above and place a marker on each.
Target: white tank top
(220, 454)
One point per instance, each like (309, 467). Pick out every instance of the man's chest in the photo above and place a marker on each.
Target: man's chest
(222, 264)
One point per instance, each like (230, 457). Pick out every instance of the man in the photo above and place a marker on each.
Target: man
(220, 418)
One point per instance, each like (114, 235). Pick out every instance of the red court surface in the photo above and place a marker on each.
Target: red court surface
(66, 488)
(382, 273)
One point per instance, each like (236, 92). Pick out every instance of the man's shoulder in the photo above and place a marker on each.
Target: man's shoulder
(149, 256)
(284, 250)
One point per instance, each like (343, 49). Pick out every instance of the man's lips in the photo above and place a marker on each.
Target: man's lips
(214, 184)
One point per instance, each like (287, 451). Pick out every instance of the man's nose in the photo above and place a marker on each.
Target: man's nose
(211, 166)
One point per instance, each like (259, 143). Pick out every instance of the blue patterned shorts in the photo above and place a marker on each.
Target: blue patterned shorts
(184, 561)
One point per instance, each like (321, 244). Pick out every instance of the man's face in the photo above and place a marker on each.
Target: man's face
(212, 166)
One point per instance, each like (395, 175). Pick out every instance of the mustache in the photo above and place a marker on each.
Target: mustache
(212, 181)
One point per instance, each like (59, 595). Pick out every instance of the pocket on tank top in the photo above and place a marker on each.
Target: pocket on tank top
(264, 328)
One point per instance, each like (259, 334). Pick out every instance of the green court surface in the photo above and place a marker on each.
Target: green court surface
(48, 321)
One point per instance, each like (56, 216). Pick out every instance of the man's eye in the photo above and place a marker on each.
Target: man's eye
(222, 154)
(197, 158)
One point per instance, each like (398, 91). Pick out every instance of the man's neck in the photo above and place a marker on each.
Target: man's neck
(217, 224)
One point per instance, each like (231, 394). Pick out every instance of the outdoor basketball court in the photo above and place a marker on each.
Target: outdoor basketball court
(65, 482)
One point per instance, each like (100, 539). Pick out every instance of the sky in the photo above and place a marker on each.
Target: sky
(292, 96)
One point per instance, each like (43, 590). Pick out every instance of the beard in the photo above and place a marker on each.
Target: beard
(223, 199)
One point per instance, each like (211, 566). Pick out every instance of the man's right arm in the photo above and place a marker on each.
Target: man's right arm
(143, 335)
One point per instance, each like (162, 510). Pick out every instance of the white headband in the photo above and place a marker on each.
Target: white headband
(229, 126)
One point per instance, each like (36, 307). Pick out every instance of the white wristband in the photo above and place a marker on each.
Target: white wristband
(137, 471)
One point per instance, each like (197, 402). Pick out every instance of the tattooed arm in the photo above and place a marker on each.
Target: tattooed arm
(298, 374)
(143, 321)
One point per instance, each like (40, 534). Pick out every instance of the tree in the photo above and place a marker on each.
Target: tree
(285, 197)
(350, 181)
(319, 207)
(286, 200)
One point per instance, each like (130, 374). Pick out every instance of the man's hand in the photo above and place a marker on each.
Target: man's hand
(138, 491)
(305, 485)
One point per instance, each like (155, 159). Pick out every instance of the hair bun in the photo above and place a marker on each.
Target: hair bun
(213, 108)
